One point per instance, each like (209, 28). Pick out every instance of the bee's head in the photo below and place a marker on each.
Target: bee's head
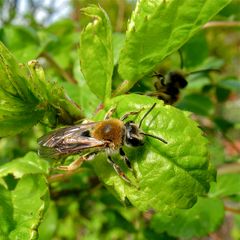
(134, 136)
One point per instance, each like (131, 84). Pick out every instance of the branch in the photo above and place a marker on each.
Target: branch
(233, 144)
(123, 88)
(232, 210)
(214, 24)
(229, 168)
(66, 75)
(120, 16)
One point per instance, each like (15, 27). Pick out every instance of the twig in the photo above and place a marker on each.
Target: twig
(231, 142)
(120, 16)
(214, 236)
(232, 210)
(229, 168)
(123, 88)
(214, 24)
(62, 72)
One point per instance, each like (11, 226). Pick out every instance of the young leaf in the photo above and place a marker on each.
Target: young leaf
(23, 41)
(205, 217)
(230, 84)
(96, 52)
(168, 176)
(226, 185)
(197, 103)
(22, 208)
(29, 164)
(48, 226)
(18, 106)
(157, 29)
(51, 96)
(26, 96)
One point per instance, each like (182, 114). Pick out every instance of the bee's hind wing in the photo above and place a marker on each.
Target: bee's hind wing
(48, 152)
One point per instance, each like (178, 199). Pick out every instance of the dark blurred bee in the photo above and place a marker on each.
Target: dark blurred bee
(168, 87)
(88, 139)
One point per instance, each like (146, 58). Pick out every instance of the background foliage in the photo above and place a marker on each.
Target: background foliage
(80, 206)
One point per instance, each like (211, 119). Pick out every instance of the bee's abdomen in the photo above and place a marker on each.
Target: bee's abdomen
(110, 130)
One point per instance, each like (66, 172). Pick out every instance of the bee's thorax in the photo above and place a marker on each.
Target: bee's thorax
(111, 130)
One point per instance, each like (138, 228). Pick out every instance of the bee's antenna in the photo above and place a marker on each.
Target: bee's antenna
(158, 138)
(146, 114)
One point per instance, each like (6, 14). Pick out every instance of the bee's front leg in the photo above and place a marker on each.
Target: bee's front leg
(125, 116)
(127, 162)
(118, 170)
(109, 113)
(77, 163)
(125, 159)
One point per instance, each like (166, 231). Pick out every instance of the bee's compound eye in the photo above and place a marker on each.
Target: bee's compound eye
(133, 136)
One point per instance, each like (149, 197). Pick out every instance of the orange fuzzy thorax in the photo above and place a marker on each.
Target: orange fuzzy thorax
(110, 130)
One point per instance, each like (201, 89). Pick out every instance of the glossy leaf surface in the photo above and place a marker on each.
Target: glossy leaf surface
(96, 52)
(206, 216)
(168, 176)
(157, 29)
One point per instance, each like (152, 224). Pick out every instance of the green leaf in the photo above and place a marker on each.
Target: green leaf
(226, 185)
(223, 124)
(52, 97)
(29, 164)
(168, 176)
(159, 28)
(230, 84)
(49, 224)
(96, 52)
(197, 103)
(118, 41)
(196, 46)
(205, 217)
(23, 207)
(81, 93)
(26, 97)
(23, 42)
(222, 94)
(18, 106)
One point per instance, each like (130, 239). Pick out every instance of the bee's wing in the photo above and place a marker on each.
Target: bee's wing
(69, 140)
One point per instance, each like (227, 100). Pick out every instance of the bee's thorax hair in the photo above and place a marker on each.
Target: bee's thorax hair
(112, 130)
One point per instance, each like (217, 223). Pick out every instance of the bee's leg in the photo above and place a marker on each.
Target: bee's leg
(125, 116)
(110, 113)
(77, 163)
(118, 170)
(125, 159)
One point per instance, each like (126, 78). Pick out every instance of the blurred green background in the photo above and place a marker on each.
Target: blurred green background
(81, 207)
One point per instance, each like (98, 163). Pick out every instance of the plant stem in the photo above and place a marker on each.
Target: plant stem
(233, 144)
(66, 75)
(222, 24)
(229, 168)
(120, 16)
(123, 88)
(232, 210)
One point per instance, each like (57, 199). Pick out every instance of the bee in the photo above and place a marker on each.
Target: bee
(89, 139)
(168, 88)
